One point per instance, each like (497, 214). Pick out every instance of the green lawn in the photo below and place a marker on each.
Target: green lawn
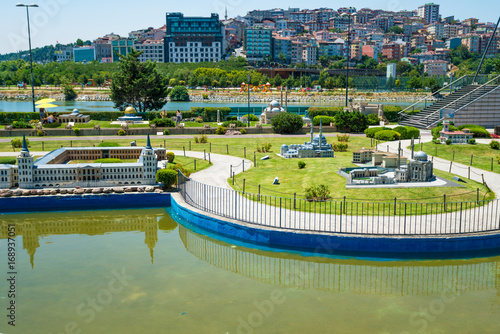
(188, 163)
(482, 154)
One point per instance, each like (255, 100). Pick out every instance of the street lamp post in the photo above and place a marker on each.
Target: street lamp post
(248, 90)
(348, 56)
(31, 55)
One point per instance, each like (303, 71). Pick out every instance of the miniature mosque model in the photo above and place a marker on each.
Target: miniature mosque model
(54, 169)
(318, 147)
(273, 109)
(130, 117)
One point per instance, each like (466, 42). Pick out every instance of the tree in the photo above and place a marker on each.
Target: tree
(282, 58)
(179, 93)
(415, 83)
(79, 42)
(324, 61)
(397, 30)
(167, 177)
(403, 67)
(68, 91)
(278, 80)
(139, 85)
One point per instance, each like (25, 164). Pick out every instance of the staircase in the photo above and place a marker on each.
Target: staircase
(454, 102)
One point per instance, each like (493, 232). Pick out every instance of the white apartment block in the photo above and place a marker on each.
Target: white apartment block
(195, 52)
(429, 12)
(151, 50)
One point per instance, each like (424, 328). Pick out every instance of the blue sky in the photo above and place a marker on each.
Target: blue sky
(67, 20)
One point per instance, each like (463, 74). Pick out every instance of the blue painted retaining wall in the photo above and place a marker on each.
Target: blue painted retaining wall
(377, 247)
(83, 202)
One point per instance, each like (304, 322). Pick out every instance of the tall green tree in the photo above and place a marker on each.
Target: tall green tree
(137, 84)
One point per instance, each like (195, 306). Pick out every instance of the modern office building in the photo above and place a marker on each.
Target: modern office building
(84, 54)
(121, 46)
(66, 54)
(258, 43)
(193, 39)
(429, 12)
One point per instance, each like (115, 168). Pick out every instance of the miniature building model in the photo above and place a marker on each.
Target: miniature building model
(130, 116)
(383, 159)
(419, 169)
(456, 137)
(52, 170)
(74, 117)
(318, 147)
(273, 109)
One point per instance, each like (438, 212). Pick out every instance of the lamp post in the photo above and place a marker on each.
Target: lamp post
(248, 90)
(31, 55)
(348, 56)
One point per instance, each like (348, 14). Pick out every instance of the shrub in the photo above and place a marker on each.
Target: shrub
(301, 164)
(373, 119)
(320, 111)
(108, 144)
(76, 131)
(495, 145)
(232, 118)
(8, 161)
(498, 159)
(340, 147)
(477, 130)
(39, 133)
(52, 125)
(243, 131)
(435, 131)
(436, 141)
(163, 122)
(370, 132)
(252, 117)
(179, 93)
(121, 132)
(109, 161)
(344, 138)
(448, 141)
(18, 142)
(326, 120)
(317, 193)
(170, 157)
(402, 131)
(387, 135)
(167, 177)
(199, 119)
(220, 130)
(472, 141)
(392, 113)
(201, 139)
(204, 96)
(166, 132)
(238, 124)
(351, 121)
(21, 125)
(286, 122)
(412, 132)
(264, 148)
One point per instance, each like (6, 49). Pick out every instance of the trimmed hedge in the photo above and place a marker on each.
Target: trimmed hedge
(326, 120)
(412, 132)
(370, 132)
(321, 111)
(477, 130)
(108, 144)
(163, 122)
(109, 161)
(9, 117)
(392, 113)
(238, 124)
(388, 135)
(402, 131)
(287, 123)
(8, 161)
(167, 177)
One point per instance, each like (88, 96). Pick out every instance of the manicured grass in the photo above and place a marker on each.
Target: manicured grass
(103, 124)
(482, 154)
(188, 163)
(72, 162)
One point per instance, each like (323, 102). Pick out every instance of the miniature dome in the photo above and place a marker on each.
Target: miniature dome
(284, 146)
(129, 110)
(420, 156)
(75, 111)
(276, 109)
(274, 103)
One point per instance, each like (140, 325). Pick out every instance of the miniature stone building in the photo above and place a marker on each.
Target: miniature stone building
(318, 147)
(456, 137)
(272, 110)
(74, 117)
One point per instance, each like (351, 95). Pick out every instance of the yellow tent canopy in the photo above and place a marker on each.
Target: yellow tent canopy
(46, 106)
(45, 101)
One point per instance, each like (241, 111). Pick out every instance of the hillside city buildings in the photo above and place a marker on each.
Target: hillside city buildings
(297, 35)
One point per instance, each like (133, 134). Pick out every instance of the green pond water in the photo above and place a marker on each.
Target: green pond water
(139, 271)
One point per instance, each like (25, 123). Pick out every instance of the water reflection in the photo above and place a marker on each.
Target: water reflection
(399, 278)
(34, 227)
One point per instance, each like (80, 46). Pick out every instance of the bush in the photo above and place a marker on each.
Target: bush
(448, 141)
(392, 113)
(286, 122)
(495, 145)
(477, 130)
(498, 159)
(232, 118)
(18, 142)
(264, 148)
(108, 144)
(166, 132)
(388, 135)
(220, 130)
(326, 120)
(8, 161)
(435, 131)
(436, 141)
(370, 132)
(320, 111)
(21, 125)
(472, 141)
(167, 177)
(373, 119)
(163, 122)
(39, 133)
(317, 193)
(199, 119)
(9, 117)
(121, 132)
(238, 124)
(203, 139)
(76, 131)
(179, 93)
(51, 125)
(340, 147)
(170, 157)
(243, 131)
(109, 161)
(351, 121)
(344, 138)
(301, 164)
(412, 132)
(252, 117)
(402, 131)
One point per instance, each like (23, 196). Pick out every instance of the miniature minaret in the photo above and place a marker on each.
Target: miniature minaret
(150, 163)
(225, 16)
(320, 132)
(312, 132)
(412, 147)
(399, 154)
(25, 164)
